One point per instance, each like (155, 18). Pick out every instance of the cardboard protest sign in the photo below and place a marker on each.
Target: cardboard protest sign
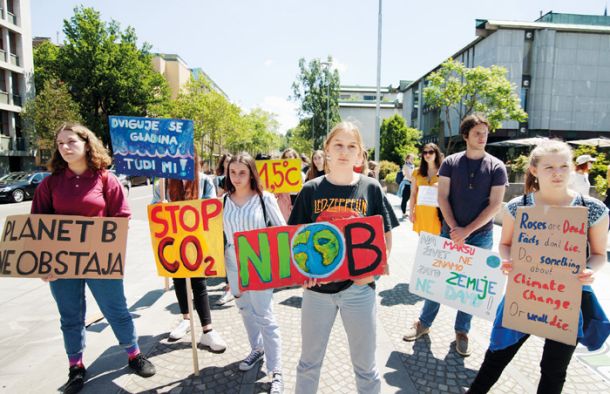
(187, 238)
(465, 277)
(36, 246)
(153, 147)
(283, 256)
(543, 294)
(280, 176)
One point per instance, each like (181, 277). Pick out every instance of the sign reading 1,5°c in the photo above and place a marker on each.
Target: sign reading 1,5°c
(280, 176)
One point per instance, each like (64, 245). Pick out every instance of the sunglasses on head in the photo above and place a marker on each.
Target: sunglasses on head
(428, 152)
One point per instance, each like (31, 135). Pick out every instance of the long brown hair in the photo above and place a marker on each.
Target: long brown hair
(313, 172)
(546, 148)
(96, 154)
(438, 158)
(183, 191)
(220, 168)
(248, 161)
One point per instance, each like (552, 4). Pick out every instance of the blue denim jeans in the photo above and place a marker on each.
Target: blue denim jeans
(357, 307)
(69, 295)
(483, 239)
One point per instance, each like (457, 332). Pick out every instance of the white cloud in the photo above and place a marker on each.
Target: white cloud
(286, 111)
(268, 62)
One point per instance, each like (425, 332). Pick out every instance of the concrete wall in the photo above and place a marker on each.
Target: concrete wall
(570, 82)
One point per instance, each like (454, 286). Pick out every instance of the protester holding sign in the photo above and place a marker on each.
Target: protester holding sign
(341, 194)
(180, 190)
(81, 185)
(247, 207)
(285, 200)
(546, 184)
(471, 188)
(423, 203)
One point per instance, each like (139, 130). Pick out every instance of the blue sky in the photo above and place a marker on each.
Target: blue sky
(251, 48)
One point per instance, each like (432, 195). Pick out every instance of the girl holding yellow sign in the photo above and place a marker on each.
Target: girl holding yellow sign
(81, 185)
(546, 184)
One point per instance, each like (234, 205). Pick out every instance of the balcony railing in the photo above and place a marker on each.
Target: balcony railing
(12, 18)
(7, 143)
(2, 13)
(3, 55)
(17, 100)
(15, 59)
(18, 144)
(3, 97)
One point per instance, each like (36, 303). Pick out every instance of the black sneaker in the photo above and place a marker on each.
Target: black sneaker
(142, 366)
(76, 379)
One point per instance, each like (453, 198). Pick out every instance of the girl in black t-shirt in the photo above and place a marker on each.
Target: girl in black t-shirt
(340, 194)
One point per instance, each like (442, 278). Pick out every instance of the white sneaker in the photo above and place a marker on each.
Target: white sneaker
(277, 384)
(226, 297)
(183, 328)
(213, 341)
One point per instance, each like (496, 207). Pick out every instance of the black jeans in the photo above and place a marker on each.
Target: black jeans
(200, 298)
(406, 193)
(553, 367)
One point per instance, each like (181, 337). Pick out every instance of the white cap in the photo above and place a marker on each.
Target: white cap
(582, 159)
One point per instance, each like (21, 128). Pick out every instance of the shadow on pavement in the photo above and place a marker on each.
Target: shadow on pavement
(399, 295)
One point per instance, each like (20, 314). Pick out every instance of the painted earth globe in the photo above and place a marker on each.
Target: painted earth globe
(318, 249)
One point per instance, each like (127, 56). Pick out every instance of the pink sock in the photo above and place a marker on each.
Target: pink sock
(76, 359)
(133, 351)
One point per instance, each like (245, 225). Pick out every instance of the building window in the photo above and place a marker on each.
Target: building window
(368, 97)
(345, 97)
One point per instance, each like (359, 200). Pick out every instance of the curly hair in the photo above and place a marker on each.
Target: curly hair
(96, 154)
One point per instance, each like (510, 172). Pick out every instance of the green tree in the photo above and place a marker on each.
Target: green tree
(259, 133)
(106, 71)
(42, 116)
(299, 138)
(215, 119)
(316, 89)
(396, 139)
(45, 64)
(455, 87)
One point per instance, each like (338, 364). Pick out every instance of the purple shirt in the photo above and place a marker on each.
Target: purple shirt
(66, 193)
(467, 203)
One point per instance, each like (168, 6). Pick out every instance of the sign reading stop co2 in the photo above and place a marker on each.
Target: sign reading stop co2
(187, 238)
(280, 176)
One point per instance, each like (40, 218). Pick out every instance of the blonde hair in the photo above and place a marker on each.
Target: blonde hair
(96, 154)
(546, 148)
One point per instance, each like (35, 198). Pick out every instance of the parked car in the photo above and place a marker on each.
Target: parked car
(19, 186)
(134, 180)
(124, 181)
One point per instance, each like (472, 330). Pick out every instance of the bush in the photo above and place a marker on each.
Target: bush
(391, 177)
(519, 165)
(387, 167)
(601, 185)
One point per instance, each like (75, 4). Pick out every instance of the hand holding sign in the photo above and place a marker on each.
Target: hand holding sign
(280, 176)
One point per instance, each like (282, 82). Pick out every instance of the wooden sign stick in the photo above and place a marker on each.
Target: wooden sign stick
(189, 298)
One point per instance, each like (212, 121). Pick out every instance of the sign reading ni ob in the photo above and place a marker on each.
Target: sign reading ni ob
(283, 256)
(280, 176)
(464, 277)
(153, 147)
(36, 246)
(187, 238)
(548, 250)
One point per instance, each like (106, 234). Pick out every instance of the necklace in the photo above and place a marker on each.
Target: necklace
(472, 173)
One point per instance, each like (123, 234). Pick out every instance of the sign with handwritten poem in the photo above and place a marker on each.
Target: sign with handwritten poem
(463, 277)
(548, 250)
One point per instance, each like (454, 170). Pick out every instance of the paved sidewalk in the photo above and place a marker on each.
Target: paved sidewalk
(430, 365)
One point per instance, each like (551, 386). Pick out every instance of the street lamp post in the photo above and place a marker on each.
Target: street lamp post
(378, 101)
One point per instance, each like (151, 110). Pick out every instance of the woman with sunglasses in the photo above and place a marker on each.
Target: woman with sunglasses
(424, 212)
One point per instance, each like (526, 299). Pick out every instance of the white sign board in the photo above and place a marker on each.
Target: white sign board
(464, 277)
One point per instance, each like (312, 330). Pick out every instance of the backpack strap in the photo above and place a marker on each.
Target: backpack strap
(267, 222)
(104, 174)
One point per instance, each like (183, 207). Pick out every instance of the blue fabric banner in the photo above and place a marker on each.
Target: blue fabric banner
(153, 147)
